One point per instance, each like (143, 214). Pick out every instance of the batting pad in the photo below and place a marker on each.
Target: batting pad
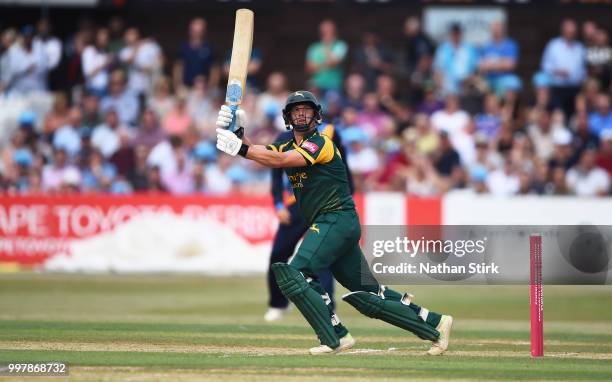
(295, 287)
(392, 312)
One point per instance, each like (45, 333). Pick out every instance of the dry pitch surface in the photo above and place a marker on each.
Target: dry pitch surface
(190, 328)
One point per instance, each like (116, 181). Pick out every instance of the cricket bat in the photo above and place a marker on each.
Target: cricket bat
(241, 54)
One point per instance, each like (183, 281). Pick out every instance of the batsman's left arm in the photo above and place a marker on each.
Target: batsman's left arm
(236, 144)
(275, 159)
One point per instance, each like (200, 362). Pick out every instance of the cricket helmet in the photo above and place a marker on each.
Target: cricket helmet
(301, 97)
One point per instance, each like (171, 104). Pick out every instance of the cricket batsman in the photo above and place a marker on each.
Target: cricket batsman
(291, 229)
(319, 179)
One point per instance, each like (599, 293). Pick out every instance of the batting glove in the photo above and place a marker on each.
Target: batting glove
(228, 142)
(225, 117)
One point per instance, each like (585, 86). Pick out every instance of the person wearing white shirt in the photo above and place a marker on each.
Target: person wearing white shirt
(51, 45)
(542, 135)
(163, 155)
(586, 179)
(95, 61)
(105, 137)
(455, 122)
(27, 65)
(564, 61)
(57, 172)
(143, 57)
(504, 182)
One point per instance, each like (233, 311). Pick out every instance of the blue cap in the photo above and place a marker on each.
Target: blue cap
(120, 187)
(23, 157)
(206, 151)
(237, 174)
(272, 109)
(27, 118)
(541, 80)
(85, 132)
(353, 135)
(478, 174)
(510, 82)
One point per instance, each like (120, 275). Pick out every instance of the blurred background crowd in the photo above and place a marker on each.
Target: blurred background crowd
(105, 110)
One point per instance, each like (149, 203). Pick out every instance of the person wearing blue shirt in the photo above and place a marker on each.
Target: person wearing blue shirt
(564, 62)
(498, 58)
(99, 174)
(455, 61)
(196, 58)
(601, 119)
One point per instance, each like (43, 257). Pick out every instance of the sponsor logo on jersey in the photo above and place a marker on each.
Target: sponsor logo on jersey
(311, 147)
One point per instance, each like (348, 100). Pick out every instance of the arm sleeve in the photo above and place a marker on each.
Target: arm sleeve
(277, 186)
(316, 149)
(340, 50)
(514, 51)
(87, 61)
(311, 55)
(548, 64)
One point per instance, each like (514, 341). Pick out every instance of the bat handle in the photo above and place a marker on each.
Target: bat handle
(232, 125)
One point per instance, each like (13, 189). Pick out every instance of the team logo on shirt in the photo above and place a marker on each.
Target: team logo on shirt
(315, 228)
(311, 147)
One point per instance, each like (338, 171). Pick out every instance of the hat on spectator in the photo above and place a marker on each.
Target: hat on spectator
(510, 82)
(354, 135)
(205, 151)
(23, 157)
(27, 119)
(562, 137)
(478, 174)
(85, 132)
(237, 174)
(541, 80)
(120, 187)
(272, 109)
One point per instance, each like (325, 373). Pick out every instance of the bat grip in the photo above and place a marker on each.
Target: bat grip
(232, 125)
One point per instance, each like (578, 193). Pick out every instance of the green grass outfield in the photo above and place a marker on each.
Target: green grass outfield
(191, 328)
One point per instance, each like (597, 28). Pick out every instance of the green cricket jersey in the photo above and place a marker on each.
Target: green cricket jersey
(322, 185)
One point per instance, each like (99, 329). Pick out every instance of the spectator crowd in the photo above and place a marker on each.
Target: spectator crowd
(105, 111)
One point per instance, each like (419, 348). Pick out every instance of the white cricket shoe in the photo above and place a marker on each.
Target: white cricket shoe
(346, 343)
(276, 314)
(441, 344)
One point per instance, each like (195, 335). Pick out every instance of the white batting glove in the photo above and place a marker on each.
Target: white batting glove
(225, 117)
(228, 142)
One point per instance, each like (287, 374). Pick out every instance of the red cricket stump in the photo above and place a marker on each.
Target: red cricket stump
(536, 297)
